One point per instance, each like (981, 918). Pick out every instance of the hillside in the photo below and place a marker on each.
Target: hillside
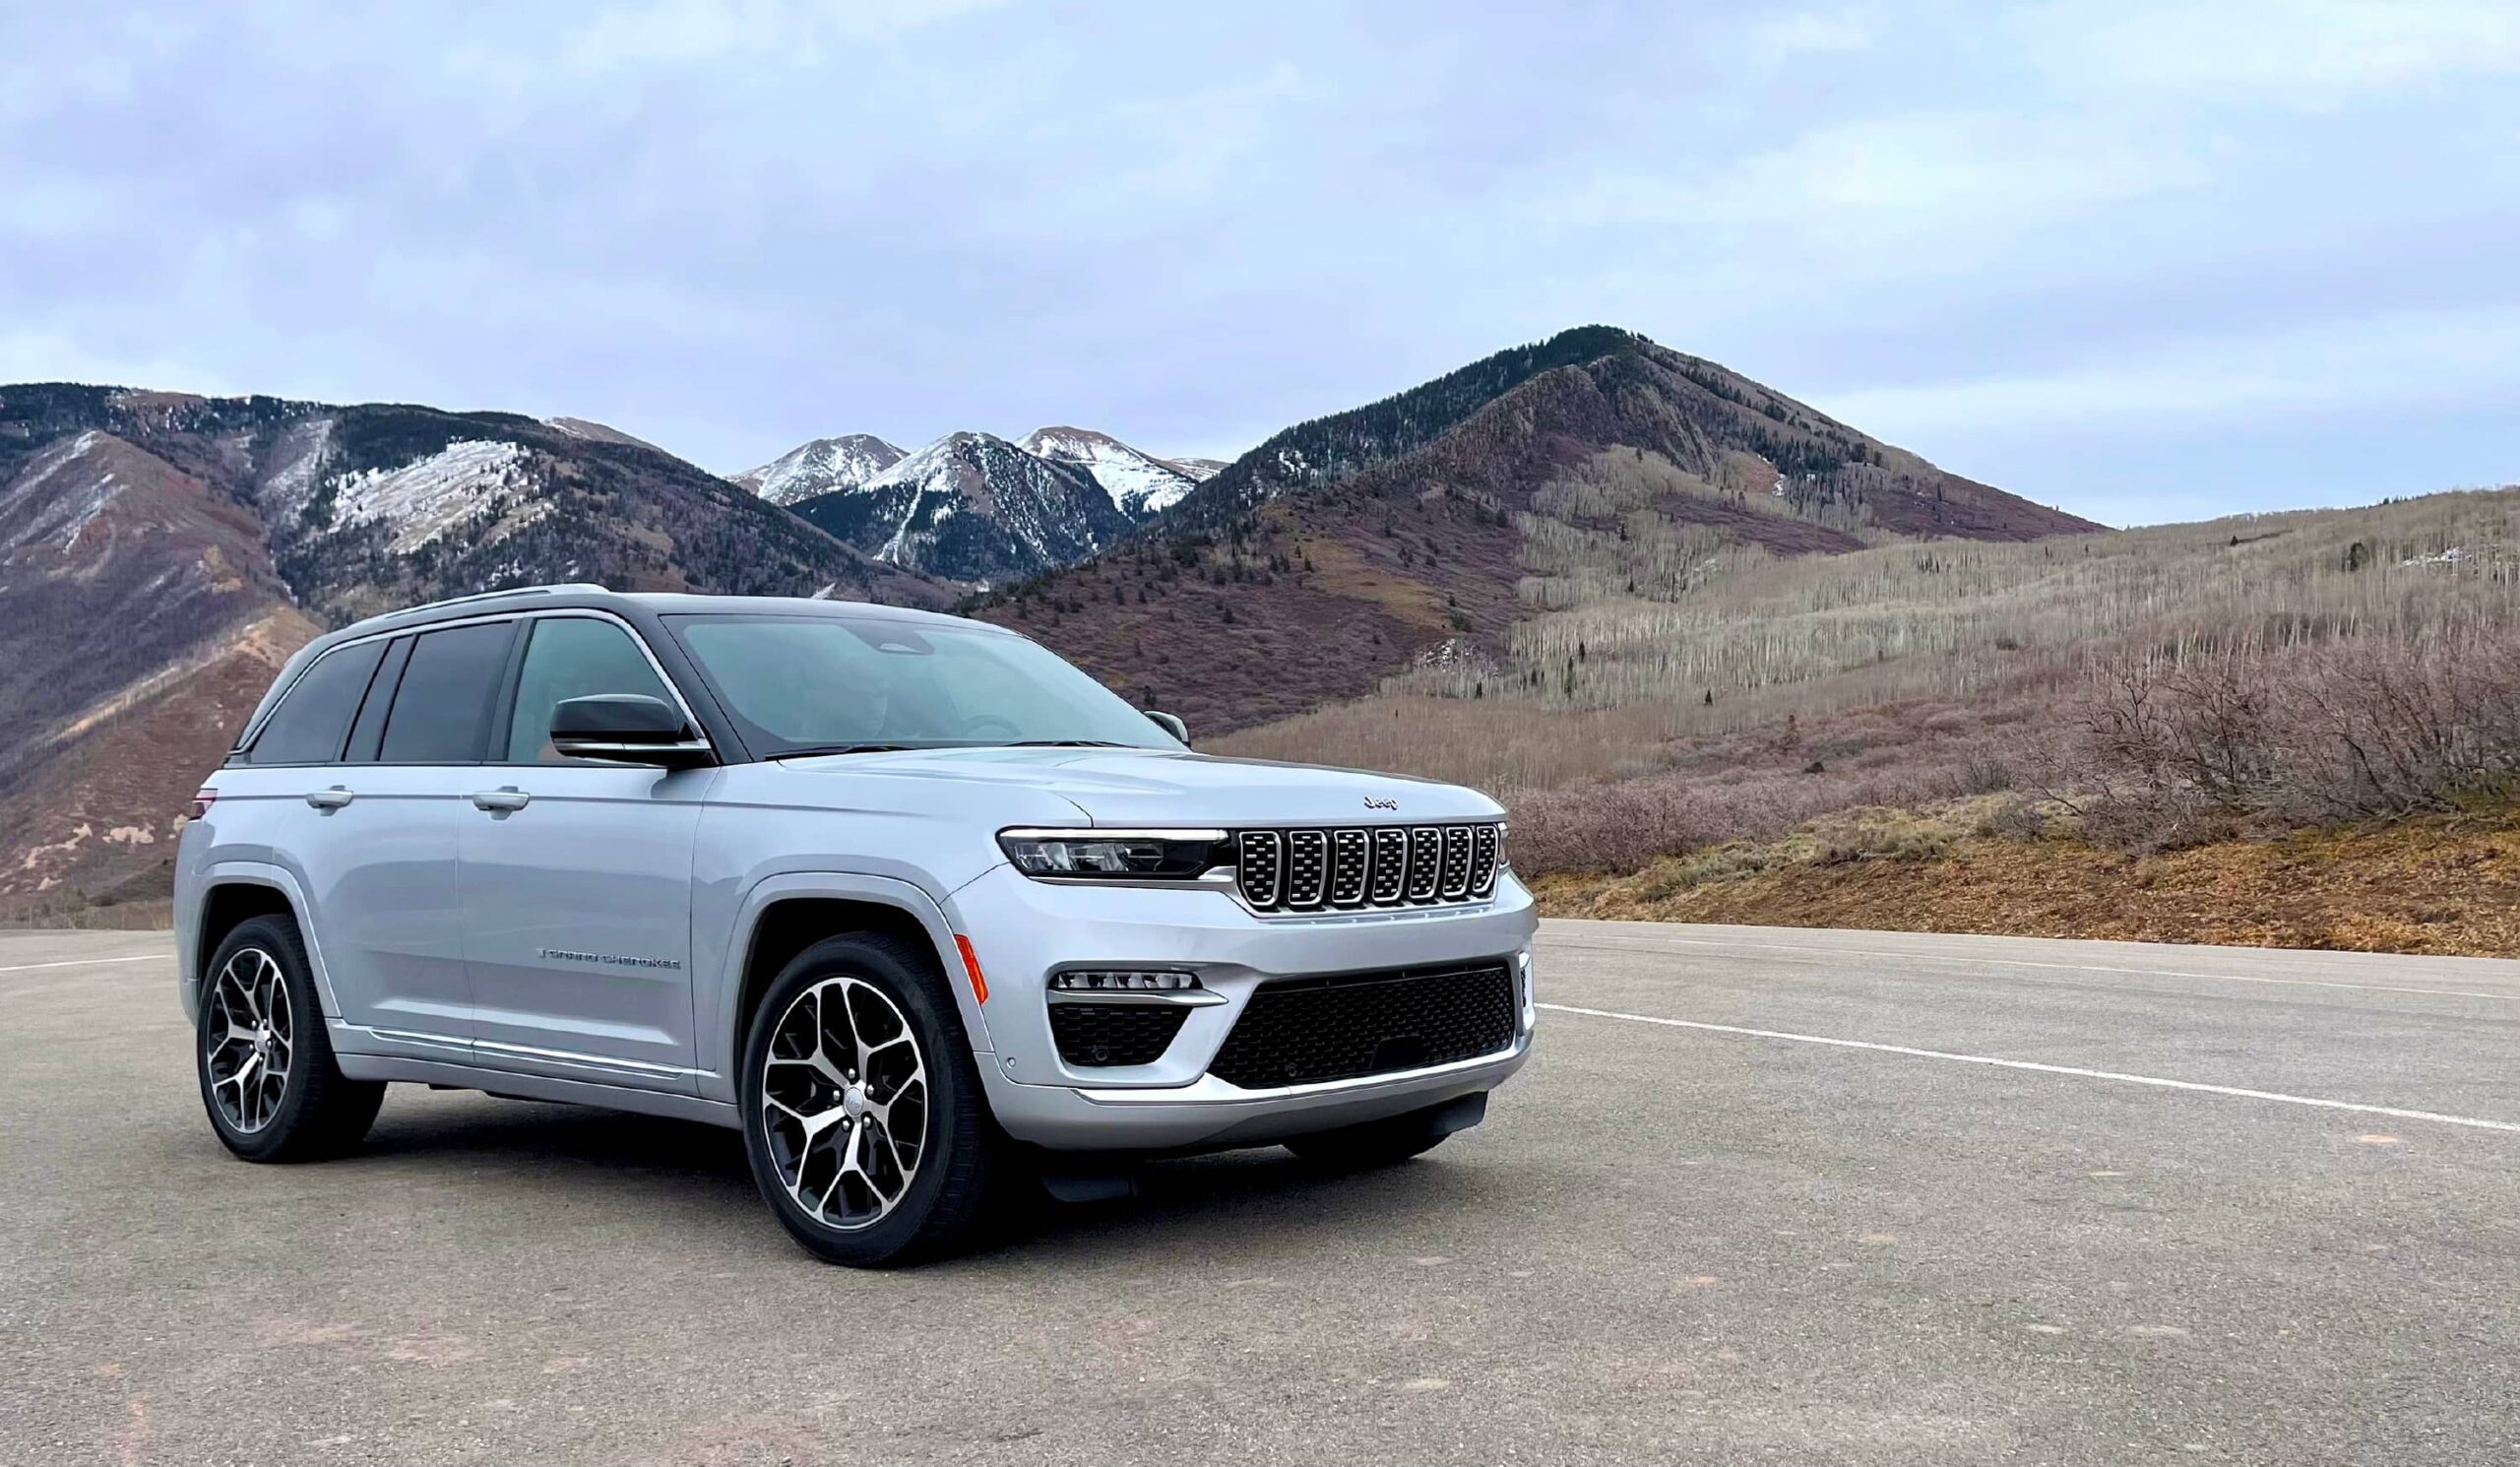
(161, 553)
(2131, 733)
(1422, 528)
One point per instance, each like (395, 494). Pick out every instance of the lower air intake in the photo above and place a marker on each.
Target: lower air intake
(1309, 1030)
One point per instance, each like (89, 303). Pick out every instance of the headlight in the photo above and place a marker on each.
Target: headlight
(1106, 854)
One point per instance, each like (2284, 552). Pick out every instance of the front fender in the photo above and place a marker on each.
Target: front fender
(723, 960)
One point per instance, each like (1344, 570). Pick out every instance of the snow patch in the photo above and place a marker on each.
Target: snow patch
(299, 454)
(423, 500)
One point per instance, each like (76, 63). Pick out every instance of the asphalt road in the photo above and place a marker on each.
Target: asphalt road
(1717, 1239)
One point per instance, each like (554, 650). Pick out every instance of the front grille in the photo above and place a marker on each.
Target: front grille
(1305, 1031)
(1096, 1036)
(1353, 868)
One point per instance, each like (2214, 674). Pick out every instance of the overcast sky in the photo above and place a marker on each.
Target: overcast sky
(2147, 260)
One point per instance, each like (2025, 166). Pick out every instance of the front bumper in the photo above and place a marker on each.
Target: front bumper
(1020, 930)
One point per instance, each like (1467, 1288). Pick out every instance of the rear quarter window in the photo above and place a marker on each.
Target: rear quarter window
(314, 716)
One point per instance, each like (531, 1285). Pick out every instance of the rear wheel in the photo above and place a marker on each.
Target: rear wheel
(268, 1078)
(863, 1117)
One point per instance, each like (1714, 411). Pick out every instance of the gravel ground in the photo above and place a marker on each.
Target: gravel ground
(1690, 1232)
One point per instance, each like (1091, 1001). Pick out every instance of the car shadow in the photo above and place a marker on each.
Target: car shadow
(1204, 1203)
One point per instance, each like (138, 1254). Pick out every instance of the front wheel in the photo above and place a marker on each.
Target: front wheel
(863, 1117)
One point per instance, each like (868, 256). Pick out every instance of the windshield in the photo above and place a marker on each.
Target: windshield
(794, 683)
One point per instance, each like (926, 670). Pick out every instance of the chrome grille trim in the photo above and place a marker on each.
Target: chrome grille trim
(1308, 868)
(1390, 868)
(1350, 850)
(1425, 860)
(1263, 855)
(1456, 867)
(1368, 867)
(1484, 842)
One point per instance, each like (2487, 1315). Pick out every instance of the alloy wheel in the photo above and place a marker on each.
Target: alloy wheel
(249, 1040)
(844, 1094)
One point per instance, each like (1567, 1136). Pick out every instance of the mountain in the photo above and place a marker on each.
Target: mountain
(976, 508)
(822, 467)
(1422, 528)
(1139, 483)
(161, 553)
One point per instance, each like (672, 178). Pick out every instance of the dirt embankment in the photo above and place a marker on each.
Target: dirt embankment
(2449, 884)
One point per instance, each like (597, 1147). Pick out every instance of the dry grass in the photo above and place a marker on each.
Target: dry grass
(2431, 884)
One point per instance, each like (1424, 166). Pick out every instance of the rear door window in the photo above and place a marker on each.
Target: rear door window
(314, 715)
(442, 708)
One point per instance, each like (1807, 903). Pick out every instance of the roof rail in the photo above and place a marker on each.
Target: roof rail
(456, 600)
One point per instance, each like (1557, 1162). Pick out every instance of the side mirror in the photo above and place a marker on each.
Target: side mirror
(626, 729)
(1171, 724)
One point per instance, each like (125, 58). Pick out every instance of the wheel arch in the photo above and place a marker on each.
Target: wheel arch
(786, 915)
(234, 893)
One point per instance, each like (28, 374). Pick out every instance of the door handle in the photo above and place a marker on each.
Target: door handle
(330, 799)
(505, 799)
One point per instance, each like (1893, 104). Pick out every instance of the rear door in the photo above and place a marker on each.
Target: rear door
(378, 877)
(576, 878)
(383, 828)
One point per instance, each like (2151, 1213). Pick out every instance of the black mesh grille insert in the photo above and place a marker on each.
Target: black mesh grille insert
(1348, 860)
(1307, 866)
(1264, 863)
(1391, 864)
(1304, 1031)
(1426, 853)
(1094, 1035)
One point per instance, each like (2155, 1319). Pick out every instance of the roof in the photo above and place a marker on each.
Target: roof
(654, 603)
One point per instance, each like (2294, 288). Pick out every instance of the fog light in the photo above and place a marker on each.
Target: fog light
(1123, 979)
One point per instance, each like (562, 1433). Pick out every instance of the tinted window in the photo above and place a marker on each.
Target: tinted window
(314, 716)
(573, 657)
(816, 682)
(444, 702)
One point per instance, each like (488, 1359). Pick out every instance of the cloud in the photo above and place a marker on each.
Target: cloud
(728, 226)
(2300, 53)
(2431, 359)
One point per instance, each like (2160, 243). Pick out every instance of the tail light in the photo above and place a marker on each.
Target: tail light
(203, 798)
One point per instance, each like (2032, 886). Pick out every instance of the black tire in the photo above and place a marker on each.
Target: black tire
(1376, 1143)
(961, 1160)
(317, 1110)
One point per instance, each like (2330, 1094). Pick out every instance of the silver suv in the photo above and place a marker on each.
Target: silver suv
(922, 909)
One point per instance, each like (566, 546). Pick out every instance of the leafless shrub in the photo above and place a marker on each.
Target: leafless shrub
(2362, 728)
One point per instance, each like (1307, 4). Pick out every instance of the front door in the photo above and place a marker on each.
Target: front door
(576, 881)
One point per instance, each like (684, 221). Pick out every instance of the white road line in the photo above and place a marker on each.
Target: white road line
(146, 957)
(1656, 945)
(2047, 1069)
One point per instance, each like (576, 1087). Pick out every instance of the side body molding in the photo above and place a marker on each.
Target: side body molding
(722, 945)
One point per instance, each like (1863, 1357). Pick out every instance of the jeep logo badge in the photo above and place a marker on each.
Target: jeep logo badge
(1372, 803)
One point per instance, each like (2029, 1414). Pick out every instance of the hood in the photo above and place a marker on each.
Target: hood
(1162, 786)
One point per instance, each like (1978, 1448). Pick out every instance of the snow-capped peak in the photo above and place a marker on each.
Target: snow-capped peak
(821, 467)
(1139, 482)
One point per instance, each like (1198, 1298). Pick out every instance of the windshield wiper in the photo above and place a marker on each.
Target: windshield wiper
(808, 750)
(1065, 743)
